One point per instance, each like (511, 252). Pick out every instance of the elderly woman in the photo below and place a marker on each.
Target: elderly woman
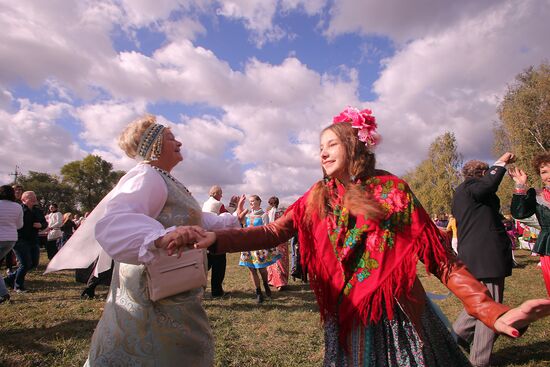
(361, 234)
(133, 224)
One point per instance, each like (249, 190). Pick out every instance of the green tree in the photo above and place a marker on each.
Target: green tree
(434, 180)
(49, 189)
(91, 178)
(524, 123)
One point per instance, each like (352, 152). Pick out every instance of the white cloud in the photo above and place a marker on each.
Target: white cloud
(40, 41)
(34, 141)
(258, 15)
(264, 136)
(102, 123)
(401, 20)
(452, 81)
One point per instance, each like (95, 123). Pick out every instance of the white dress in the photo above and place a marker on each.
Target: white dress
(134, 331)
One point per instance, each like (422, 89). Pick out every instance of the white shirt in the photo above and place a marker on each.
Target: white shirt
(11, 219)
(212, 205)
(55, 220)
(123, 225)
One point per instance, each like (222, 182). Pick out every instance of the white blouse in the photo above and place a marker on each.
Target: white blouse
(123, 226)
(11, 219)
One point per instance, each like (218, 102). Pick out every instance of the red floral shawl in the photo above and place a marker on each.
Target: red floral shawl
(356, 269)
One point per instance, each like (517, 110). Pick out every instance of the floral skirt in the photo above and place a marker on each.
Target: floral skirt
(260, 258)
(277, 274)
(395, 343)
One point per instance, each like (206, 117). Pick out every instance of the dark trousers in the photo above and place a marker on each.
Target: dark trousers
(103, 278)
(28, 254)
(218, 264)
(51, 248)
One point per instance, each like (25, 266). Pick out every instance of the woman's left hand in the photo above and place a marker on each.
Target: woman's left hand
(521, 316)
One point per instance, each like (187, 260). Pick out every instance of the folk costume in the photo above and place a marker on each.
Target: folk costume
(363, 273)
(263, 258)
(277, 274)
(526, 203)
(146, 204)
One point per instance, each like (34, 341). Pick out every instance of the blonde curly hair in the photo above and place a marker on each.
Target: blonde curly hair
(130, 137)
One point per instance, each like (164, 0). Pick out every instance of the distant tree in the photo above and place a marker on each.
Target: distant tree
(91, 178)
(524, 123)
(49, 189)
(434, 180)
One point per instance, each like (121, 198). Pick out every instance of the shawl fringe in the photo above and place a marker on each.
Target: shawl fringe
(426, 243)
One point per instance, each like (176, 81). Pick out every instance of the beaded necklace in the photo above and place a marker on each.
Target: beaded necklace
(170, 177)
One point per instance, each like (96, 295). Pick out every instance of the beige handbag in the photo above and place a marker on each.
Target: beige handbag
(170, 275)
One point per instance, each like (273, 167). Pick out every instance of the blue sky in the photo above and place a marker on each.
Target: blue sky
(247, 85)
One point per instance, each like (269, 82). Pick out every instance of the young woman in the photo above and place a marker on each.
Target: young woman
(525, 203)
(258, 260)
(361, 233)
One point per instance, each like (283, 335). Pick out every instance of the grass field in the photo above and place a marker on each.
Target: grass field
(51, 326)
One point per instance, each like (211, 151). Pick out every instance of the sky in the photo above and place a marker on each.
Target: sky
(247, 85)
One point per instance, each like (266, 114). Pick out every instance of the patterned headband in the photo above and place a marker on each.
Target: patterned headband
(150, 144)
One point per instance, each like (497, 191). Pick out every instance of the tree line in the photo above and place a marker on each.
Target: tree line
(523, 127)
(79, 188)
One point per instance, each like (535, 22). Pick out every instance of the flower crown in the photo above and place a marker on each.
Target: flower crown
(362, 120)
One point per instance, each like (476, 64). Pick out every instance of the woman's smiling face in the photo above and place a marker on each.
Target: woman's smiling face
(333, 155)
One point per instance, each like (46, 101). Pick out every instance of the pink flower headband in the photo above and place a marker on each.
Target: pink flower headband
(362, 120)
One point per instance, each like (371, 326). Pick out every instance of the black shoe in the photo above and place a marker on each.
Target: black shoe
(87, 294)
(267, 290)
(5, 298)
(21, 290)
(221, 295)
(259, 296)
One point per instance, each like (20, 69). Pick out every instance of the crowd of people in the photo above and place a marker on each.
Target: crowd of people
(360, 231)
(24, 230)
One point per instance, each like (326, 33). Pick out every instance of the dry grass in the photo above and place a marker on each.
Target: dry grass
(51, 326)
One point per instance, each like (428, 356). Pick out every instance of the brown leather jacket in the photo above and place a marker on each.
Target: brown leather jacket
(473, 294)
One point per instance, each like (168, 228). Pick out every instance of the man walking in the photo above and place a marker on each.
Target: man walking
(483, 246)
(26, 247)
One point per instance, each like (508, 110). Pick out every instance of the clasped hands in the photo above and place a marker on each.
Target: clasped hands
(185, 237)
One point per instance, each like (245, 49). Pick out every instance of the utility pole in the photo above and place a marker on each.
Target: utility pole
(16, 174)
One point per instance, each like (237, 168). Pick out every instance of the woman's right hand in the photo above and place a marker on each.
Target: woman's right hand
(207, 241)
(180, 238)
(518, 175)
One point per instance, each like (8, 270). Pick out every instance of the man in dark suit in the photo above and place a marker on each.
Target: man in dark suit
(483, 246)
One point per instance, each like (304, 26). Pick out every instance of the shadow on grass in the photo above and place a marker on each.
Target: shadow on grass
(295, 299)
(537, 352)
(43, 340)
